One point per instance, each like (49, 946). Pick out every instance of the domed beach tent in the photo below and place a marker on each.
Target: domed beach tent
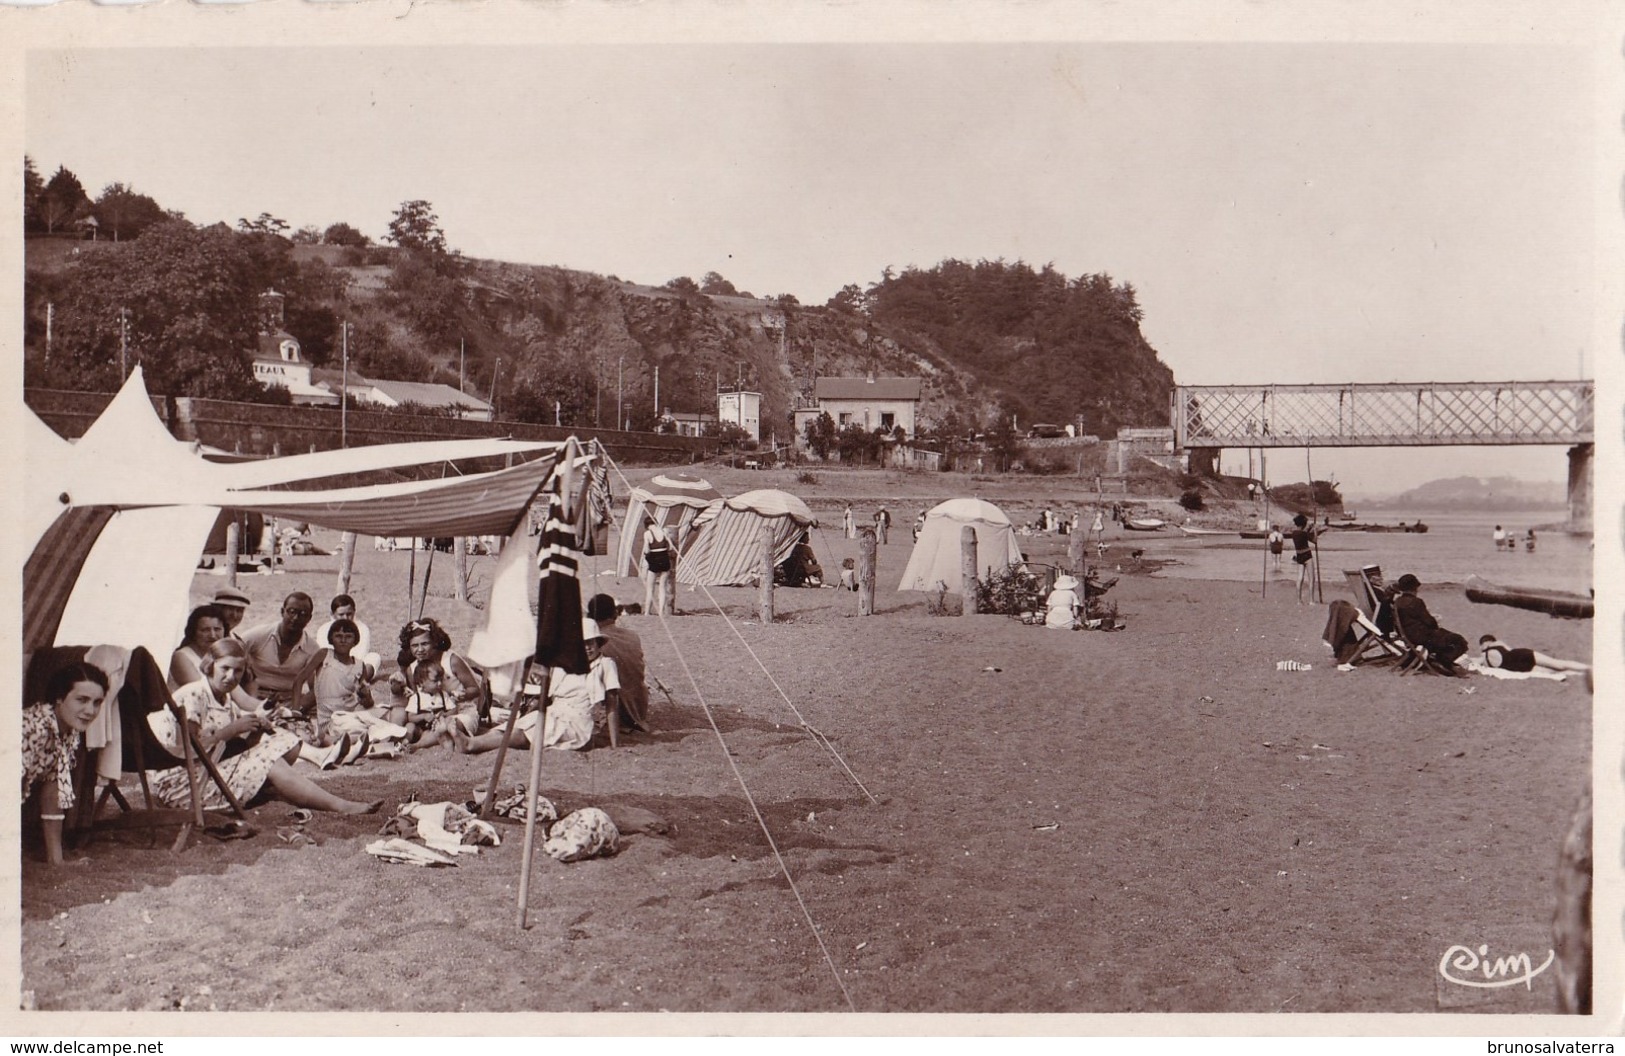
(936, 554)
(672, 500)
(727, 543)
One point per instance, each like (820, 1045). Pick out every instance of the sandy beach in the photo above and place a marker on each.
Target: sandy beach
(1153, 820)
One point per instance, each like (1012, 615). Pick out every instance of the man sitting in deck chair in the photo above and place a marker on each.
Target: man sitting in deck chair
(1417, 626)
(1363, 632)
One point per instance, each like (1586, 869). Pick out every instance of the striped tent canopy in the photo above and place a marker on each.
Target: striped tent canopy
(726, 548)
(672, 500)
(118, 519)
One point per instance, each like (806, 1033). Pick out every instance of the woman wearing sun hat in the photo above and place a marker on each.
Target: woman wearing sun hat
(1061, 610)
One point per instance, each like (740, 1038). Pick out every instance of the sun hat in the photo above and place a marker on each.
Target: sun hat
(1065, 583)
(232, 596)
(1407, 582)
(589, 629)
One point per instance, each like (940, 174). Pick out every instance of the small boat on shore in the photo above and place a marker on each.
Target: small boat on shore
(1418, 527)
(1254, 533)
(1552, 602)
(1144, 524)
(1193, 530)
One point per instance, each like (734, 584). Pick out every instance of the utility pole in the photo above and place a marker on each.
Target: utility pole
(123, 344)
(597, 391)
(462, 363)
(657, 390)
(496, 368)
(620, 382)
(344, 385)
(50, 316)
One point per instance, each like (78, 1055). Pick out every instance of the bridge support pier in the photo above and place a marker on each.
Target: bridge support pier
(1204, 461)
(1580, 456)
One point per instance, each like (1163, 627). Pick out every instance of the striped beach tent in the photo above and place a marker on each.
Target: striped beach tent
(727, 543)
(672, 500)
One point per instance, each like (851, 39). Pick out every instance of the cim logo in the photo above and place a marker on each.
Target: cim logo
(1465, 966)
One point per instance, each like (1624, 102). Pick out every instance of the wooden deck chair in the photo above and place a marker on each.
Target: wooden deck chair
(1375, 641)
(144, 692)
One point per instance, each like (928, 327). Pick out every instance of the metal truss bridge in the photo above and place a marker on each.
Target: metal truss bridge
(1383, 415)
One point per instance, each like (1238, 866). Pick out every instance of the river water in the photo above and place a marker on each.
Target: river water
(1457, 545)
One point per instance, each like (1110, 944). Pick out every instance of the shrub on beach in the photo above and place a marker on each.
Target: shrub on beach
(1191, 500)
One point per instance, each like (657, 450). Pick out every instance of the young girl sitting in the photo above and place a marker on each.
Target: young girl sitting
(435, 689)
(341, 685)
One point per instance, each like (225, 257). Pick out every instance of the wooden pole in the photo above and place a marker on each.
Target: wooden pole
(1264, 580)
(765, 597)
(967, 569)
(346, 561)
(1075, 544)
(234, 546)
(536, 751)
(460, 568)
(866, 571)
(1314, 524)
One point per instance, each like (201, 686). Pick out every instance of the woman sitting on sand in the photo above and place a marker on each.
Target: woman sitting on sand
(1061, 610)
(51, 733)
(434, 689)
(267, 754)
(205, 626)
(1498, 654)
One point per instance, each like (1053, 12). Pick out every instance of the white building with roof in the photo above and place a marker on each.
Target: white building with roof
(871, 402)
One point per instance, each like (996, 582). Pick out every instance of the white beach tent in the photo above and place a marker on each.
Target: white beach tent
(936, 554)
(727, 544)
(114, 523)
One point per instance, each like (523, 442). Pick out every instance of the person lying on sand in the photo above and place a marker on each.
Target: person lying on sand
(265, 759)
(1497, 653)
(578, 705)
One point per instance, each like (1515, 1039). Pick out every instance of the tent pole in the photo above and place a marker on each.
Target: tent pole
(428, 570)
(1314, 523)
(536, 751)
(411, 580)
(1264, 577)
(502, 754)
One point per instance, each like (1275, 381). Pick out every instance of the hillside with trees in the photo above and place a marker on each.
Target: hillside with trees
(120, 276)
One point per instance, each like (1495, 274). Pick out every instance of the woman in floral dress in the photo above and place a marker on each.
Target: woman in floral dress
(51, 733)
(266, 760)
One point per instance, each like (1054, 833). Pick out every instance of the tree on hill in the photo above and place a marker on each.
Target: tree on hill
(61, 201)
(416, 227)
(124, 214)
(264, 224)
(715, 283)
(684, 285)
(342, 234)
(33, 187)
(183, 299)
(1055, 344)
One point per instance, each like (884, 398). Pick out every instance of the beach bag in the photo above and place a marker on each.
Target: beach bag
(585, 833)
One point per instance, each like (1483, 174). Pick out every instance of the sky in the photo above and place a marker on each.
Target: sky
(1287, 212)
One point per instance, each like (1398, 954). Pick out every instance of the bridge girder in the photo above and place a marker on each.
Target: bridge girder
(1392, 414)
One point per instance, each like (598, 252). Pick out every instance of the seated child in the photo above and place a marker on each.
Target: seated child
(578, 705)
(435, 690)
